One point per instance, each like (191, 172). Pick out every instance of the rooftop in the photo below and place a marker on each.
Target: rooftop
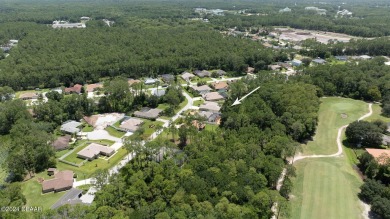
(62, 180)
(202, 88)
(131, 124)
(220, 85)
(380, 155)
(70, 126)
(210, 106)
(93, 150)
(213, 96)
(148, 113)
(62, 142)
(92, 87)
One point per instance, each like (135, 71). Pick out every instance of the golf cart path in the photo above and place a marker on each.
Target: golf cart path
(338, 140)
(366, 208)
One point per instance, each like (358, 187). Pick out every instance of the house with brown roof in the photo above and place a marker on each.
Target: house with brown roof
(132, 81)
(62, 142)
(213, 96)
(75, 89)
(62, 181)
(382, 156)
(93, 87)
(93, 150)
(28, 96)
(220, 85)
(131, 124)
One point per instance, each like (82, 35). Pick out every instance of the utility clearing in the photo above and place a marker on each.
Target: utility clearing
(326, 185)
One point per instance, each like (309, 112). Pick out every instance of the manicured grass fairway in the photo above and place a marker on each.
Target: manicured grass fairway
(325, 188)
(376, 114)
(328, 187)
(329, 121)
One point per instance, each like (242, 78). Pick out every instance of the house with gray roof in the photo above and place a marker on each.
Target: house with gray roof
(319, 61)
(148, 113)
(213, 96)
(150, 81)
(168, 77)
(202, 89)
(70, 127)
(210, 106)
(203, 73)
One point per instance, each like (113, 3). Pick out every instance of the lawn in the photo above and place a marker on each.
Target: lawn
(32, 190)
(376, 114)
(87, 128)
(211, 127)
(328, 187)
(149, 127)
(62, 153)
(198, 102)
(89, 168)
(181, 105)
(330, 121)
(325, 188)
(162, 106)
(114, 132)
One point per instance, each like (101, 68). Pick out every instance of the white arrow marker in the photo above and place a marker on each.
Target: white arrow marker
(238, 101)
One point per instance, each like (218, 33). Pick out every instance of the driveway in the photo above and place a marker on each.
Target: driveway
(100, 135)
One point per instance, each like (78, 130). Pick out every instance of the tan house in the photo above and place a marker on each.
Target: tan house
(28, 96)
(75, 89)
(93, 150)
(148, 113)
(220, 85)
(93, 87)
(62, 181)
(62, 142)
(131, 124)
(213, 96)
(132, 81)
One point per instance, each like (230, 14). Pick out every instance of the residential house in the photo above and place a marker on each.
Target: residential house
(202, 89)
(168, 77)
(70, 127)
(101, 121)
(65, 24)
(131, 124)
(211, 117)
(210, 106)
(84, 18)
(341, 58)
(72, 197)
(386, 140)
(220, 85)
(159, 93)
(220, 72)
(285, 10)
(149, 81)
(382, 156)
(213, 96)
(365, 57)
(29, 96)
(132, 81)
(93, 150)
(62, 142)
(203, 73)
(148, 113)
(250, 70)
(62, 181)
(93, 87)
(274, 67)
(296, 63)
(319, 61)
(75, 89)
(187, 76)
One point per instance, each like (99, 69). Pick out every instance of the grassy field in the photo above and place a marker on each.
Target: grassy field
(87, 128)
(114, 132)
(328, 187)
(325, 188)
(32, 190)
(376, 114)
(198, 102)
(330, 120)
